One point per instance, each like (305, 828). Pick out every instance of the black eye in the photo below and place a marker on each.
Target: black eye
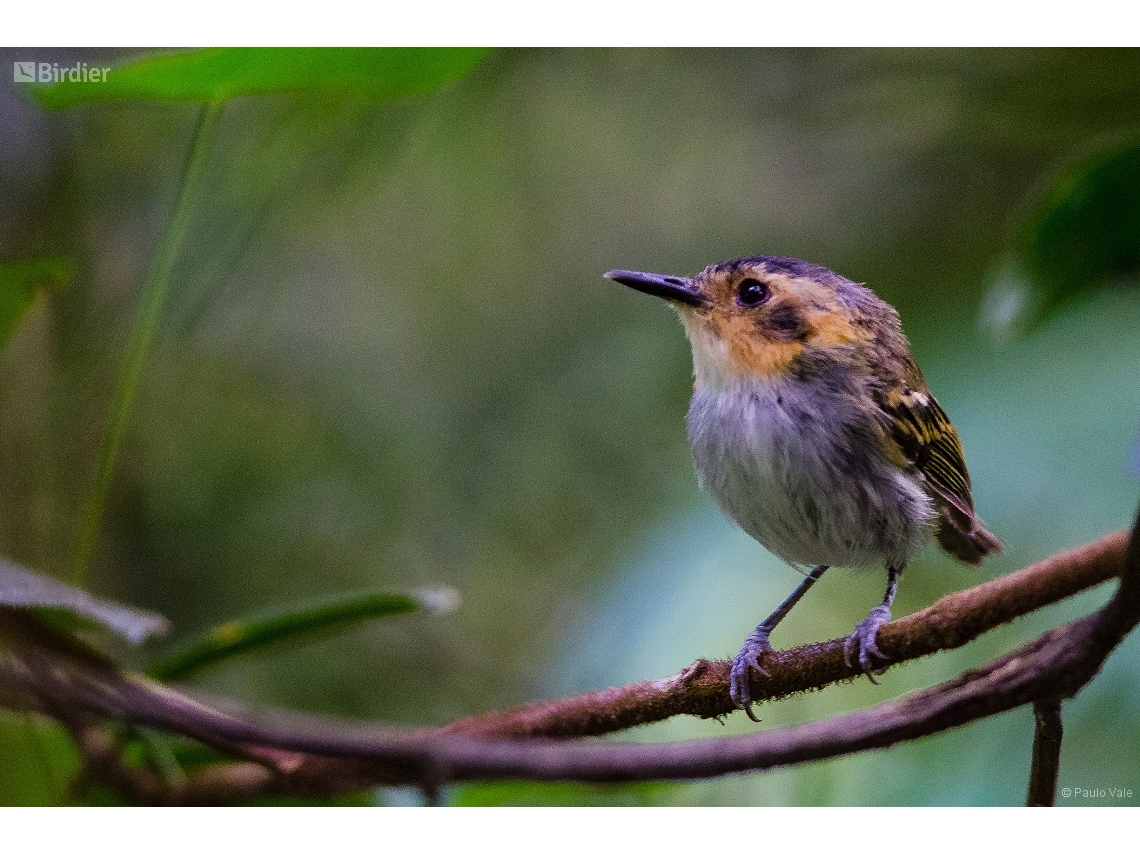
(752, 292)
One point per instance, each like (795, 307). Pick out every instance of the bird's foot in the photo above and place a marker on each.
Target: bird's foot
(745, 662)
(861, 644)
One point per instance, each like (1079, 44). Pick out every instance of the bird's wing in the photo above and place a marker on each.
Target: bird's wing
(927, 441)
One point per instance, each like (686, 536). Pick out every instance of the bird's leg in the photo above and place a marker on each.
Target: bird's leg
(861, 643)
(748, 659)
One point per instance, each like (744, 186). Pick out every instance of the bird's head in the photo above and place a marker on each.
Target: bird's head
(755, 318)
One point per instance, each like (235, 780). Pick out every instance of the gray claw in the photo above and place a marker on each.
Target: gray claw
(745, 662)
(861, 644)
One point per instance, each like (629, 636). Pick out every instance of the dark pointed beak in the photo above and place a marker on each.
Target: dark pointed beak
(676, 288)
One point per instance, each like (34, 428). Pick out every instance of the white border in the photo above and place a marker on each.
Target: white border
(554, 831)
(713, 23)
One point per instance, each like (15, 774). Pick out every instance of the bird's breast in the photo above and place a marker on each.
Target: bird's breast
(800, 466)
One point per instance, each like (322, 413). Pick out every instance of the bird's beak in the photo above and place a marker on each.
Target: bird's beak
(676, 288)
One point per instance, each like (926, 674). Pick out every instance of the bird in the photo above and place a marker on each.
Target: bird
(813, 428)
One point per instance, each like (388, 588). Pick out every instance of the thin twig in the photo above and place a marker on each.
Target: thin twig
(216, 785)
(1046, 765)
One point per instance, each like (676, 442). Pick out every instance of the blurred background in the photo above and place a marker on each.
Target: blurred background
(389, 360)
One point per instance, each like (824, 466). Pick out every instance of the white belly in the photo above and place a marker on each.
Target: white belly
(806, 476)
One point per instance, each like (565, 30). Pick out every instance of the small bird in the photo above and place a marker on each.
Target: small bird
(812, 426)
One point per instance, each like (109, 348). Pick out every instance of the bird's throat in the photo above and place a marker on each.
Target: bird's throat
(725, 358)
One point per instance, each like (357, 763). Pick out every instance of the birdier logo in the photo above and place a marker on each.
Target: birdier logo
(52, 72)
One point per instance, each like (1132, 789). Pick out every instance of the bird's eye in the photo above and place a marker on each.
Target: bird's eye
(752, 292)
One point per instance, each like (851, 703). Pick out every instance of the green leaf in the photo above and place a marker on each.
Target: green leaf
(39, 761)
(19, 282)
(1085, 229)
(146, 324)
(245, 634)
(561, 794)
(67, 607)
(218, 74)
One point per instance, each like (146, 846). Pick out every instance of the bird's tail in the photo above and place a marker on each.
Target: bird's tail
(965, 536)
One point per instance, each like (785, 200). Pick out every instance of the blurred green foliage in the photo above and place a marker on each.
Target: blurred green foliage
(19, 282)
(218, 74)
(213, 77)
(39, 761)
(1085, 230)
(388, 359)
(241, 635)
(530, 794)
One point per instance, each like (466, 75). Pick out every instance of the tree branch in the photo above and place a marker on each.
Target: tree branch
(216, 785)
(702, 688)
(287, 752)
